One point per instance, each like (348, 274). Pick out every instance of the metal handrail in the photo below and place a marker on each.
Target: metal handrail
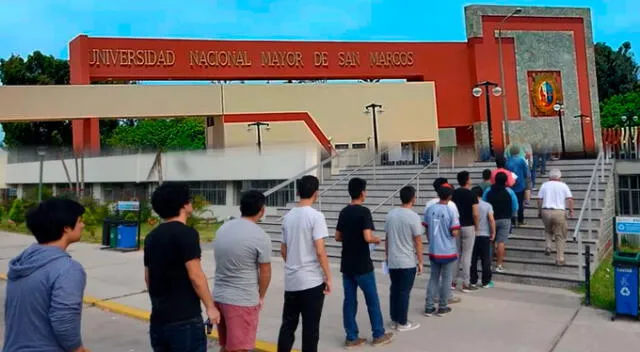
(416, 176)
(577, 235)
(285, 183)
(374, 158)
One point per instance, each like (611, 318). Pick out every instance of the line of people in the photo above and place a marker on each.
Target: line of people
(46, 285)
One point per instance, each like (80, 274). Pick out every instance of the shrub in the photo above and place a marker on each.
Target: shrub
(200, 208)
(17, 212)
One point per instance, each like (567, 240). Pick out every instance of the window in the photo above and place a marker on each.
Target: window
(359, 146)
(341, 146)
(278, 199)
(114, 192)
(215, 192)
(629, 194)
(211, 121)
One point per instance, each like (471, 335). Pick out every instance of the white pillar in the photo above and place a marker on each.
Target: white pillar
(20, 191)
(97, 192)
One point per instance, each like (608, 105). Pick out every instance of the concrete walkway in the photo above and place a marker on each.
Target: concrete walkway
(513, 318)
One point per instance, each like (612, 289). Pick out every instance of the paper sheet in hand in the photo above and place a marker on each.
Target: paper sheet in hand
(385, 268)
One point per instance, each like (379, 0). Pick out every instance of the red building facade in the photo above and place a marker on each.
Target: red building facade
(533, 40)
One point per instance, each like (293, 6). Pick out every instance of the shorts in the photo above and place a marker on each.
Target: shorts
(503, 228)
(238, 326)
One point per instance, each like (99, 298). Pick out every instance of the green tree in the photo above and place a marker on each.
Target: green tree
(617, 71)
(37, 69)
(160, 134)
(17, 212)
(612, 109)
(40, 69)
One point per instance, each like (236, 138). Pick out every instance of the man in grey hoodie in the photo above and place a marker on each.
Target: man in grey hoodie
(45, 286)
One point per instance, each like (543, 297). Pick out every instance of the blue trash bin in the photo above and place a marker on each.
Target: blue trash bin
(626, 286)
(127, 236)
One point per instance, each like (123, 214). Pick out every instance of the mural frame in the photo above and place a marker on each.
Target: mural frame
(539, 105)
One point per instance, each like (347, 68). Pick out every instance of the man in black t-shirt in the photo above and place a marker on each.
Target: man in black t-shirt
(355, 231)
(467, 203)
(174, 275)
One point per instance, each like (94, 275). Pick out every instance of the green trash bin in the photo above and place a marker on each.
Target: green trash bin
(113, 235)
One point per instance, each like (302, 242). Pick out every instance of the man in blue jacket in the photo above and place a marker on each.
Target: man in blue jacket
(45, 286)
(519, 166)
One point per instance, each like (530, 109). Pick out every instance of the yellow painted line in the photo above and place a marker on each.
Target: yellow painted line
(90, 300)
(141, 314)
(121, 309)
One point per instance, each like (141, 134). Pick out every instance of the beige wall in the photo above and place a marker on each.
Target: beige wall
(20, 103)
(409, 108)
(409, 111)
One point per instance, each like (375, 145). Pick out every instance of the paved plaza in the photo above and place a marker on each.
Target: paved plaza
(510, 318)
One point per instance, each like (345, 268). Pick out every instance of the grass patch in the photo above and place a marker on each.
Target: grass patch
(602, 291)
(207, 231)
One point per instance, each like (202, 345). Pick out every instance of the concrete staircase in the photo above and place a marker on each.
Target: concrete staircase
(525, 260)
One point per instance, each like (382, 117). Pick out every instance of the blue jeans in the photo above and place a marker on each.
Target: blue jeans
(185, 336)
(401, 285)
(367, 283)
(439, 284)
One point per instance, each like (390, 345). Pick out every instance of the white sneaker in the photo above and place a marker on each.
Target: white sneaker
(408, 326)
(500, 269)
(394, 325)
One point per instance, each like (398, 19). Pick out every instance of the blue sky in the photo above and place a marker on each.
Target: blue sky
(48, 25)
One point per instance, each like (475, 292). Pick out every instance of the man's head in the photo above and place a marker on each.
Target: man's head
(445, 193)
(500, 162)
(308, 187)
(514, 151)
(463, 178)
(501, 179)
(252, 205)
(486, 175)
(477, 191)
(56, 219)
(408, 195)
(555, 174)
(357, 188)
(171, 200)
(438, 182)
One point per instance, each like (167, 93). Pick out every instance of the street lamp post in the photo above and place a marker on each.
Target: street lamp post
(42, 152)
(626, 123)
(559, 108)
(502, 83)
(583, 119)
(496, 91)
(258, 125)
(373, 108)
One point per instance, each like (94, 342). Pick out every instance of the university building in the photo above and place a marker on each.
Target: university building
(468, 98)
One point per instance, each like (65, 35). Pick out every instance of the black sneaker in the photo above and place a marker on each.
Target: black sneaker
(442, 311)
(429, 312)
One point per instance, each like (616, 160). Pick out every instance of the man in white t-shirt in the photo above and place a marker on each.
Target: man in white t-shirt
(553, 198)
(307, 277)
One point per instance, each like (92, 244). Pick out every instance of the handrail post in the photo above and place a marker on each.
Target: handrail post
(418, 188)
(590, 221)
(597, 191)
(587, 275)
(601, 156)
(374, 166)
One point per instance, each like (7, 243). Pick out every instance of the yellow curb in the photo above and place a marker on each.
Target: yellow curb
(140, 314)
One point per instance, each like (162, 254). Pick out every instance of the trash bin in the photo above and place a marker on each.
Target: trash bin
(127, 236)
(113, 235)
(627, 295)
